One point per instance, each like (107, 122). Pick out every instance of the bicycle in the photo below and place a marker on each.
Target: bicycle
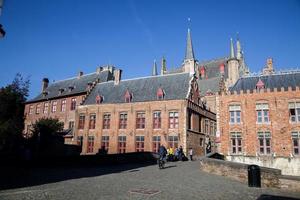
(161, 163)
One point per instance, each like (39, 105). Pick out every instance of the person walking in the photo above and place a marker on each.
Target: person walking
(191, 153)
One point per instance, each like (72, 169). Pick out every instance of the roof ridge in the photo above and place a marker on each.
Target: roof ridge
(73, 78)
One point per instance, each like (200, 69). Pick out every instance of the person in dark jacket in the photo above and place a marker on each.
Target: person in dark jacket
(162, 151)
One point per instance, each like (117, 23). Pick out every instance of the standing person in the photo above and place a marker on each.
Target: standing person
(176, 154)
(191, 153)
(162, 151)
(180, 153)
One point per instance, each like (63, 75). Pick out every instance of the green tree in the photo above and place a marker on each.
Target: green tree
(12, 99)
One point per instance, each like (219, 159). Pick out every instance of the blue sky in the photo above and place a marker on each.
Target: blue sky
(58, 38)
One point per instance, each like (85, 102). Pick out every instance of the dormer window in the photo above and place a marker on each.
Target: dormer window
(71, 88)
(61, 90)
(128, 97)
(160, 94)
(260, 85)
(99, 99)
(89, 85)
(45, 93)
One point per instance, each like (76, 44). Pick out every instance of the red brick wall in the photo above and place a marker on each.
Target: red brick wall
(279, 126)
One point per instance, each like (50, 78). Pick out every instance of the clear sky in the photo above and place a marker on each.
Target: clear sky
(58, 38)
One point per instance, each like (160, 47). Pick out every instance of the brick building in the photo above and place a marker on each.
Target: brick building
(259, 120)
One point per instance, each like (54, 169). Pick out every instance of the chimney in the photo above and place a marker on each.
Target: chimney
(117, 76)
(99, 69)
(45, 83)
(80, 74)
(269, 68)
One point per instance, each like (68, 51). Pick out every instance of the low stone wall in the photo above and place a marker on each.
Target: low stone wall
(239, 171)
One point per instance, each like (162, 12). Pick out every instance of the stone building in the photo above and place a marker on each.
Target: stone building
(259, 120)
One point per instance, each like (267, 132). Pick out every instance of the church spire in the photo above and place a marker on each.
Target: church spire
(189, 53)
(231, 49)
(163, 67)
(154, 69)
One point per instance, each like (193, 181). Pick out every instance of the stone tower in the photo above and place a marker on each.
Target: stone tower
(233, 67)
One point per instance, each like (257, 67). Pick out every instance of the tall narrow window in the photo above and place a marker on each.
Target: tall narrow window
(156, 119)
(73, 104)
(173, 120)
(262, 113)
(63, 105)
(139, 143)
(294, 109)
(79, 140)
(211, 127)
(30, 109)
(105, 143)
(264, 139)
(123, 121)
(236, 143)
(90, 146)
(155, 143)
(235, 114)
(140, 120)
(122, 144)
(206, 125)
(106, 121)
(92, 123)
(71, 124)
(173, 142)
(46, 107)
(81, 121)
(54, 106)
(296, 142)
(38, 109)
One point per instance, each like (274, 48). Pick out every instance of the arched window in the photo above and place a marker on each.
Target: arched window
(128, 96)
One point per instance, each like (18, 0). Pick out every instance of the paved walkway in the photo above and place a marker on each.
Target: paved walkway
(180, 180)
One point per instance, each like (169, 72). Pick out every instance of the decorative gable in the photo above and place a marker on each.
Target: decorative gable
(128, 96)
(99, 99)
(260, 84)
(160, 94)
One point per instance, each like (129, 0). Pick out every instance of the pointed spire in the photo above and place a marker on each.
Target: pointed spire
(231, 49)
(163, 67)
(189, 53)
(154, 70)
(239, 53)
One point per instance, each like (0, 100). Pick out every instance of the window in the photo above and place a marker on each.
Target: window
(46, 107)
(139, 143)
(123, 121)
(71, 124)
(155, 143)
(236, 143)
(106, 121)
(173, 119)
(173, 142)
(99, 99)
(206, 124)
(294, 109)
(54, 106)
(92, 123)
(128, 97)
(262, 113)
(79, 140)
(201, 142)
(160, 94)
(30, 109)
(122, 144)
(264, 139)
(90, 146)
(235, 114)
(38, 109)
(140, 120)
(73, 104)
(81, 121)
(157, 120)
(63, 105)
(296, 142)
(105, 143)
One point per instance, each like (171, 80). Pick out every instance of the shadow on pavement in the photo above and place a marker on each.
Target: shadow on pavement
(273, 197)
(170, 166)
(51, 170)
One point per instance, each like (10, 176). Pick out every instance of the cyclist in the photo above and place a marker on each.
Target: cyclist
(162, 151)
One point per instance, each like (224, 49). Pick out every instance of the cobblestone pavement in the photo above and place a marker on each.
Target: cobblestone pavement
(179, 180)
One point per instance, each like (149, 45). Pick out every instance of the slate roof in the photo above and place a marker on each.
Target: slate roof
(79, 85)
(212, 68)
(212, 85)
(143, 89)
(270, 81)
